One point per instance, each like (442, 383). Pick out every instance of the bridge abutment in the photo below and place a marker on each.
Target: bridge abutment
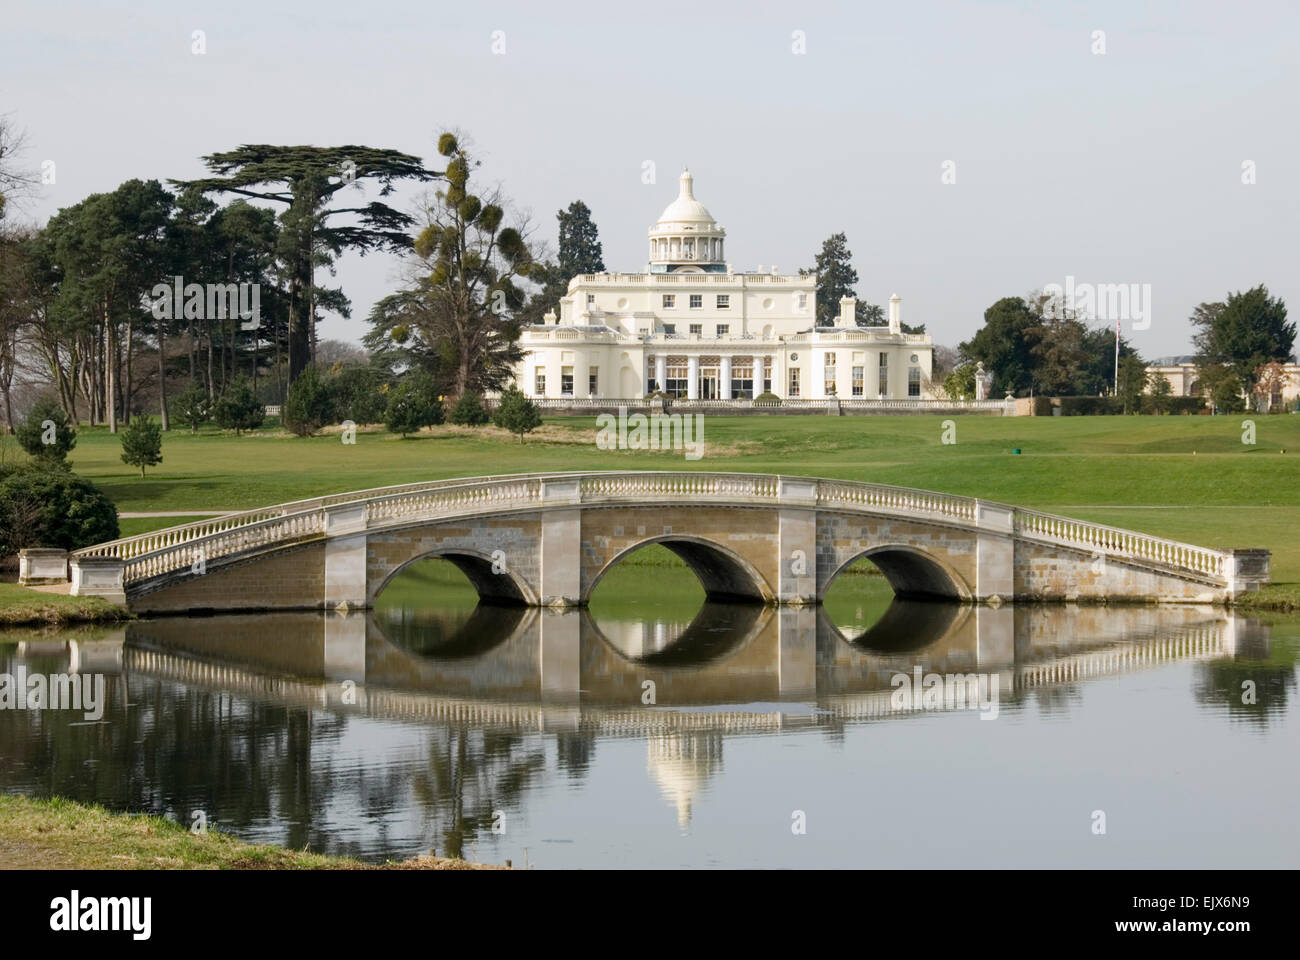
(995, 552)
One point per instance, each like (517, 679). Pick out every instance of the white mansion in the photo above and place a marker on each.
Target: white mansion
(692, 327)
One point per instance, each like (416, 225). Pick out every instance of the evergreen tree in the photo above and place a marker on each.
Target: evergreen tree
(142, 443)
(1243, 334)
(47, 433)
(192, 407)
(580, 250)
(413, 404)
(238, 408)
(516, 413)
(469, 412)
(308, 405)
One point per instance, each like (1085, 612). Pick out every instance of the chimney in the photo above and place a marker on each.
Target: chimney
(774, 270)
(549, 318)
(895, 314)
(848, 311)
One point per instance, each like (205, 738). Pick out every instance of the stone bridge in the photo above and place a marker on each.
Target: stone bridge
(548, 539)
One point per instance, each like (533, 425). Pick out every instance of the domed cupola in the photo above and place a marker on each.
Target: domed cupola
(686, 239)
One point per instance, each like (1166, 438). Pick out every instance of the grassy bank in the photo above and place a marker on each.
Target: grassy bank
(20, 605)
(61, 834)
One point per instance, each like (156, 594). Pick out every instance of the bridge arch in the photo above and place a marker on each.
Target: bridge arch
(725, 576)
(505, 587)
(912, 573)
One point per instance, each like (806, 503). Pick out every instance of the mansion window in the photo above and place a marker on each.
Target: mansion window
(913, 381)
(566, 381)
(670, 301)
(724, 301)
(884, 374)
(675, 377)
(723, 329)
(828, 378)
(591, 298)
(697, 328)
(857, 381)
(697, 301)
(767, 374)
(794, 382)
(742, 378)
(803, 301)
(540, 384)
(670, 329)
(593, 380)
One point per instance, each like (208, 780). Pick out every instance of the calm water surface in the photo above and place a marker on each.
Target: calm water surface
(657, 731)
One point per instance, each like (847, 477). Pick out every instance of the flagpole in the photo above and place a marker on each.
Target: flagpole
(1117, 325)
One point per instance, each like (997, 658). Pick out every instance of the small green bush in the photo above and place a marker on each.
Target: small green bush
(192, 407)
(469, 412)
(1091, 406)
(516, 413)
(238, 409)
(767, 398)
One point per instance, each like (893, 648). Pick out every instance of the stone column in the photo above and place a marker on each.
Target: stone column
(345, 647)
(692, 378)
(561, 547)
(796, 669)
(797, 542)
(995, 552)
(724, 389)
(661, 370)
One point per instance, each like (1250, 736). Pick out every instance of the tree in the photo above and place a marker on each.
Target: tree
(1132, 380)
(14, 181)
(469, 411)
(836, 278)
(1270, 380)
(1162, 393)
(960, 383)
(1222, 386)
(47, 434)
(463, 297)
(305, 179)
(192, 407)
(1004, 344)
(580, 250)
(358, 392)
(238, 408)
(1243, 333)
(142, 443)
(516, 413)
(413, 404)
(1058, 353)
(307, 408)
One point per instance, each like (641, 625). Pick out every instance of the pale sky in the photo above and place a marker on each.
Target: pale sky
(1123, 167)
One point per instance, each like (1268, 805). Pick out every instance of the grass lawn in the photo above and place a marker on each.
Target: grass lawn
(61, 834)
(19, 605)
(1190, 478)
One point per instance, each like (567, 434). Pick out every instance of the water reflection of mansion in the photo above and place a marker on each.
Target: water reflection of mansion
(691, 327)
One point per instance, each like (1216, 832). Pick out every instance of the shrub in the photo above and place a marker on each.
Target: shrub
(192, 407)
(238, 409)
(767, 398)
(357, 394)
(1091, 406)
(516, 413)
(413, 404)
(308, 406)
(469, 412)
(142, 443)
(53, 508)
(47, 434)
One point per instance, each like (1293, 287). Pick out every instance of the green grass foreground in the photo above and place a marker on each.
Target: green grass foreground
(1188, 478)
(19, 605)
(62, 834)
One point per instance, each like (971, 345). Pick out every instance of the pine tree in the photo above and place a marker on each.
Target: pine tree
(142, 443)
(516, 413)
(580, 250)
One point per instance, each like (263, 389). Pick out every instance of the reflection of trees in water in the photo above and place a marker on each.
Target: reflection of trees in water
(574, 752)
(470, 774)
(1220, 683)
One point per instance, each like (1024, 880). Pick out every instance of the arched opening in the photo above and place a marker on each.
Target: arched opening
(911, 573)
(722, 575)
(715, 631)
(448, 606)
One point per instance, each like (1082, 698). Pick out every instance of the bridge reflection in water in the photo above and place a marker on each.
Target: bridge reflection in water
(511, 673)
